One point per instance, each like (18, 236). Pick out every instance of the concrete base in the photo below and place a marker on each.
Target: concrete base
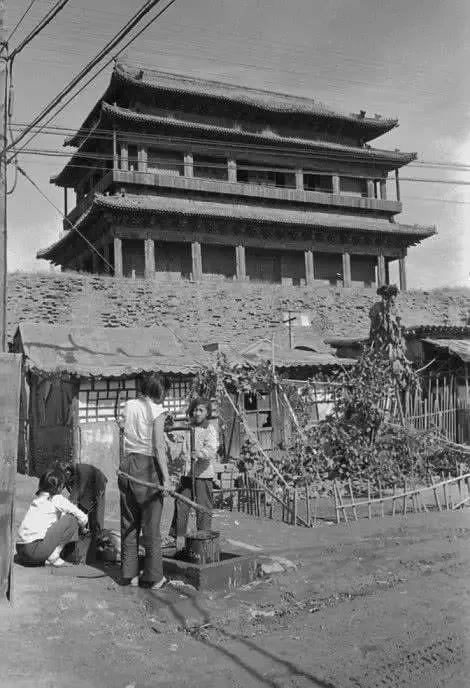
(230, 572)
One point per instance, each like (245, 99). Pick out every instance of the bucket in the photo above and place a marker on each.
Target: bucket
(203, 547)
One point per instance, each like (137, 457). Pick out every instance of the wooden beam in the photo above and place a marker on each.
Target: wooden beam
(118, 266)
(402, 272)
(142, 159)
(336, 184)
(397, 184)
(115, 151)
(124, 156)
(370, 188)
(346, 270)
(299, 180)
(188, 165)
(240, 262)
(232, 170)
(383, 189)
(149, 248)
(196, 260)
(309, 267)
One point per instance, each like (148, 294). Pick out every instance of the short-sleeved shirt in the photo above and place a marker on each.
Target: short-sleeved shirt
(43, 512)
(139, 416)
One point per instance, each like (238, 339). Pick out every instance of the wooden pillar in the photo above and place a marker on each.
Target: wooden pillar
(381, 277)
(383, 189)
(149, 251)
(240, 259)
(142, 159)
(299, 180)
(397, 184)
(196, 260)
(346, 270)
(402, 272)
(115, 151)
(66, 203)
(232, 170)
(118, 267)
(309, 269)
(188, 165)
(336, 184)
(105, 252)
(124, 157)
(370, 188)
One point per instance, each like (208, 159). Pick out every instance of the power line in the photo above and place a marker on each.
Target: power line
(20, 20)
(60, 4)
(72, 226)
(73, 96)
(136, 18)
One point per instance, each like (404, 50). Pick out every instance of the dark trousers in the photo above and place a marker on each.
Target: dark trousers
(96, 525)
(61, 532)
(141, 509)
(203, 496)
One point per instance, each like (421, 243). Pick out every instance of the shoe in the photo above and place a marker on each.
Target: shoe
(133, 582)
(154, 586)
(57, 563)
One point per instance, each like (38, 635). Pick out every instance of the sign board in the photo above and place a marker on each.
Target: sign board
(10, 378)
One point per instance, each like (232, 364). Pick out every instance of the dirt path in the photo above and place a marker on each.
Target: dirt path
(379, 603)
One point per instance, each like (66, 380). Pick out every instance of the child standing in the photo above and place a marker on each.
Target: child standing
(50, 523)
(200, 468)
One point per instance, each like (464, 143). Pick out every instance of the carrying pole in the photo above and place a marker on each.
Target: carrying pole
(193, 468)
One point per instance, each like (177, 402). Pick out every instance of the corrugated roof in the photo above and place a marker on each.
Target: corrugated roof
(107, 352)
(240, 211)
(268, 101)
(458, 347)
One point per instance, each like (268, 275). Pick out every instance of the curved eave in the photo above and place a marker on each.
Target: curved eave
(167, 205)
(260, 100)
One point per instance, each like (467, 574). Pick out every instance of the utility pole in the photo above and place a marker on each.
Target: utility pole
(3, 176)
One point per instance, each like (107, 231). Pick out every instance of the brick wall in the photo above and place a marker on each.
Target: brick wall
(227, 312)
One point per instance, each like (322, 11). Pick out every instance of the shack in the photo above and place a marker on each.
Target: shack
(75, 381)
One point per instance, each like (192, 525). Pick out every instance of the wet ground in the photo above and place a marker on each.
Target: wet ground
(384, 602)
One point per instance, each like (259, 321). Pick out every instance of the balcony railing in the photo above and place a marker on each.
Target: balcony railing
(115, 178)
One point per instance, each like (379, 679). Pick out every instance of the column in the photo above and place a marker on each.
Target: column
(66, 204)
(196, 260)
(118, 268)
(142, 159)
(188, 165)
(370, 188)
(397, 184)
(299, 180)
(346, 270)
(381, 277)
(105, 252)
(240, 260)
(124, 157)
(336, 184)
(402, 273)
(383, 189)
(115, 151)
(309, 269)
(232, 170)
(149, 250)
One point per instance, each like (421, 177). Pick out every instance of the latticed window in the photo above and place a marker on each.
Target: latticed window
(176, 400)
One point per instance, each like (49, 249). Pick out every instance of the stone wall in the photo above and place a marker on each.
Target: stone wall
(215, 311)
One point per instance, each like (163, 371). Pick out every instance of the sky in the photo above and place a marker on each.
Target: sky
(402, 58)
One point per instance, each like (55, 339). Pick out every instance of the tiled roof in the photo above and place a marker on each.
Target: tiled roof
(238, 211)
(218, 311)
(268, 101)
(392, 159)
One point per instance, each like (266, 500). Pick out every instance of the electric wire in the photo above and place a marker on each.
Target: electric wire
(60, 4)
(20, 20)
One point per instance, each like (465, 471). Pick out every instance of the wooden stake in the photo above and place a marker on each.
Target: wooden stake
(338, 516)
(352, 498)
(436, 496)
(444, 487)
(369, 506)
(307, 504)
(380, 496)
(393, 502)
(404, 497)
(295, 506)
(340, 498)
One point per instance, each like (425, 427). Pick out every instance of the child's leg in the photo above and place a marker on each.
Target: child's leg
(204, 498)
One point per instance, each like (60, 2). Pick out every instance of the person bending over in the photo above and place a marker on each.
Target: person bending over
(50, 523)
(200, 466)
(144, 458)
(86, 485)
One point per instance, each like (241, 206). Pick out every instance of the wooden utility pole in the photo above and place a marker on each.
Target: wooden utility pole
(3, 177)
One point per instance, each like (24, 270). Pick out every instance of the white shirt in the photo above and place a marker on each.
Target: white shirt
(139, 416)
(206, 444)
(43, 512)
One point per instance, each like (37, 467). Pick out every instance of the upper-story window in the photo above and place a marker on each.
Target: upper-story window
(318, 182)
(253, 174)
(165, 162)
(353, 187)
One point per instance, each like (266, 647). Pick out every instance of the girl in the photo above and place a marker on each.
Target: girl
(202, 456)
(144, 458)
(50, 523)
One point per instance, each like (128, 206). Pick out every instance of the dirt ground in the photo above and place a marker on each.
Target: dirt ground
(384, 602)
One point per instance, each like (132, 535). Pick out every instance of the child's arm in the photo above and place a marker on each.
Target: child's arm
(65, 506)
(208, 451)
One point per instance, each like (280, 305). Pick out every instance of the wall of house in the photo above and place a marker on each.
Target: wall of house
(172, 259)
(218, 260)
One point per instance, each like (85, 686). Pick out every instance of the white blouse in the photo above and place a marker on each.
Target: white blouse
(43, 512)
